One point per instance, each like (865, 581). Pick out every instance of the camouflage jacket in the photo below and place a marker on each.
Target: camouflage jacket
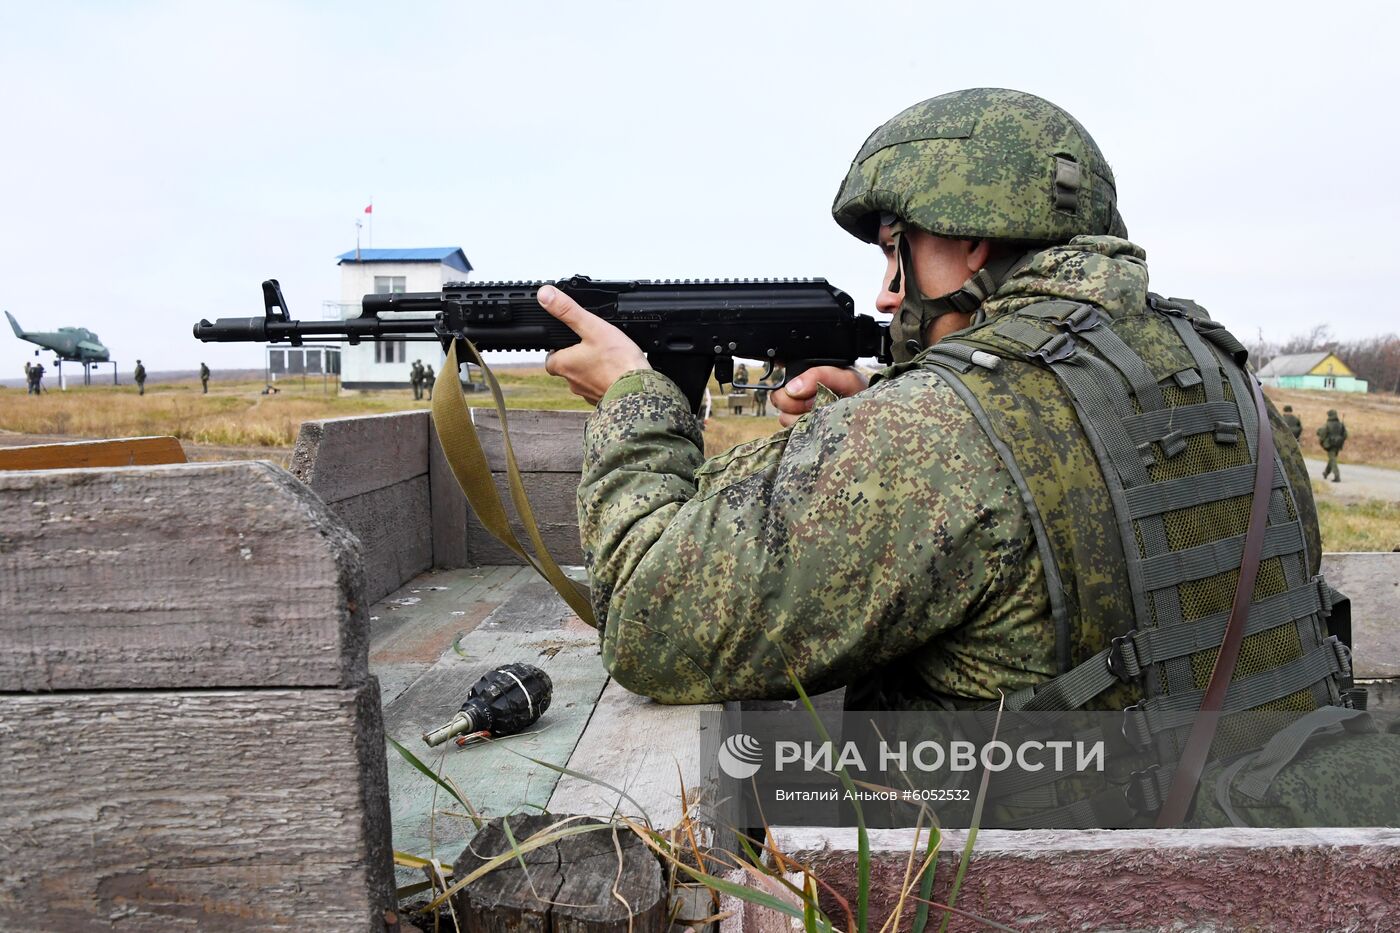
(1332, 435)
(877, 543)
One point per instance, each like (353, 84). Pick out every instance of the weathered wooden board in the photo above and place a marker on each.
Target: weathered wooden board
(554, 499)
(543, 441)
(532, 626)
(256, 810)
(345, 457)
(191, 575)
(127, 451)
(1228, 879)
(1372, 581)
(413, 627)
(395, 526)
(549, 452)
(449, 508)
(646, 749)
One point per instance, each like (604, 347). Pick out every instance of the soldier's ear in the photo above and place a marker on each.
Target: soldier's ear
(979, 251)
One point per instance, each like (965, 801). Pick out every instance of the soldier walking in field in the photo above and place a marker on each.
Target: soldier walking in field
(204, 377)
(140, 376)
(28, 378)
(1332, 436)
(415, 379)
(428, 378)
(36, 375)
(1290, 419)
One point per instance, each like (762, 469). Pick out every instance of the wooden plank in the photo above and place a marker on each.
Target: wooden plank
(341, 458)
(544, 441)
(254, 810)
(554, 499)
(1052, 880)
(127, 451)
(449, 508)
(395, 525)
(534, 627)
(647, 749)
(1373, 583)
(414, 626)
(190, 575)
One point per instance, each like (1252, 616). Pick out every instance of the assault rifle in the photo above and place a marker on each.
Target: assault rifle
(688, 329)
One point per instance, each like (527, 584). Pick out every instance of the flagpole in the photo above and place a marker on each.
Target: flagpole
(371, 222)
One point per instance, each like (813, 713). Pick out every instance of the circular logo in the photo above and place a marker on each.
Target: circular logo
(740, 756)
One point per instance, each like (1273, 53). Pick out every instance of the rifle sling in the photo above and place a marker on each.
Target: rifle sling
(462, 448)
(1193, 757)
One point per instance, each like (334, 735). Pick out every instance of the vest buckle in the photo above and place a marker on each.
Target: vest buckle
(1057, 349)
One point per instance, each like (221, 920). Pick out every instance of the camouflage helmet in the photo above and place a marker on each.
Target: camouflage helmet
(984, 163)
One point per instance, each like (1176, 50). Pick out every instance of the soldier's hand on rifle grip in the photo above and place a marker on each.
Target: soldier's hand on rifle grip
(797, 397)
(603, 355)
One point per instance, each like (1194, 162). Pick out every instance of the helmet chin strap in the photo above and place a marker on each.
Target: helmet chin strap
(917, 311)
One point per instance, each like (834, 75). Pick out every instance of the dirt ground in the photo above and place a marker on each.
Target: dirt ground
(1372, 420)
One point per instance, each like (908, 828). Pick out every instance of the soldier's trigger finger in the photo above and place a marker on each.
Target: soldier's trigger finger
(579, 320)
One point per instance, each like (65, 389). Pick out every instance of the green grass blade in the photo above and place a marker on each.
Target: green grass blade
(413, 760)
(862, 837)
(972, 829)
(409, 890)
(585, 777)
(935, 840)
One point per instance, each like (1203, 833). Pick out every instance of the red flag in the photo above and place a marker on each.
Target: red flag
(370, 209)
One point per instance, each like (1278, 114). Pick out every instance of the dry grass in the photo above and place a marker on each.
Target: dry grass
(725, 431)
(1351, 525)
(235, 414)
(1372, 420)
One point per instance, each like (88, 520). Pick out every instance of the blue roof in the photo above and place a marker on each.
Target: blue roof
(450, 255)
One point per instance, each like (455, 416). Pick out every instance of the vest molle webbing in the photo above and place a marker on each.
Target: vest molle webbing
(1138, 479)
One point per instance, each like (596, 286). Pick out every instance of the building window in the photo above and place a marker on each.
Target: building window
(391, 351)
(1329, 382)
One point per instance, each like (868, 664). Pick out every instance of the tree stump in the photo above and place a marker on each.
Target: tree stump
(596, 881)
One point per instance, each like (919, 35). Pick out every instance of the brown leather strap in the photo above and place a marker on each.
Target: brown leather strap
(1193, 758)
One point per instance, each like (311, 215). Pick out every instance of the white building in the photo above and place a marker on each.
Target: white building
(385, 364)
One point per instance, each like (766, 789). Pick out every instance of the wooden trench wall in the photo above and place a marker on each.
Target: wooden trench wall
(190, 737)
(387, 479)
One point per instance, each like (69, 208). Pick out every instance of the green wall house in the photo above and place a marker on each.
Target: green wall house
(1316, 370)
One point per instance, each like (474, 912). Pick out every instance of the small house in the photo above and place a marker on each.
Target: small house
(1317, 370)
(384, 364)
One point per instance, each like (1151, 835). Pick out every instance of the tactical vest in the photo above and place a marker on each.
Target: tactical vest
(1132, 440)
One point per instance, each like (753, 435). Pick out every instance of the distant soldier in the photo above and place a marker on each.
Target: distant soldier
(36, 372)
(204, 377)
(1332, 436)
(415, 378)
(778, 375)
(28, 377)
(760, 402)
(140, 376)
(428, 378)
(1292, 421)
(741, 375)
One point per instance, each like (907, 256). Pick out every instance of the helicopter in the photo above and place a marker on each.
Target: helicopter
(69, 344)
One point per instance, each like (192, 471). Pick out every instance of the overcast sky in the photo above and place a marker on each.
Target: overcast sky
(159, 160)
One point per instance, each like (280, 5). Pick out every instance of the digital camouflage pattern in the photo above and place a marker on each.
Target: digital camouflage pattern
(808, 549)
(982, 163)
(880, 528)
